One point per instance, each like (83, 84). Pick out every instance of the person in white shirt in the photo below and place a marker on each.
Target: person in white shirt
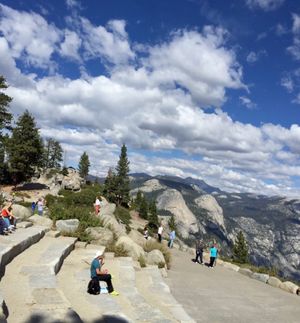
(97, 205)
(159, 233)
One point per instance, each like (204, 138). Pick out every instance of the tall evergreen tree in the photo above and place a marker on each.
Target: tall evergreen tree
(240, 249)
(53, 154)
(5, 116)
(137, 201)
(84, 165)
(5, 120)
(172, 223)
(110, 186)
(144, 208)
(25, 148)
(123, 187)
(152, 215)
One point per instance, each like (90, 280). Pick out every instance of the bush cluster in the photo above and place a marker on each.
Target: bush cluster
(71, 205)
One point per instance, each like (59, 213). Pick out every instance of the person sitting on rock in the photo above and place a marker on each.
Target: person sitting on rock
(3, 226)
(102, 275)
(8, 217)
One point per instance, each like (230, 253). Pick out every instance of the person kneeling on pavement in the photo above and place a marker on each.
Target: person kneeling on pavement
(102, 275)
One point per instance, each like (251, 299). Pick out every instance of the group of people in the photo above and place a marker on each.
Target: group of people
(7, 220)
(160, 230)
(213, 253)
(39, 205)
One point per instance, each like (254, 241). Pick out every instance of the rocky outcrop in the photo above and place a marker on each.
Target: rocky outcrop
(100, 235)
(133, 249)
(56, 181)
(21, 212)
(69, 226)
(41, 221)
(149, 186)
(214, 212)
(172, 201)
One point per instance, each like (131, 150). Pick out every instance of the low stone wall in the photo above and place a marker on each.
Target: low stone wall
(265, 278)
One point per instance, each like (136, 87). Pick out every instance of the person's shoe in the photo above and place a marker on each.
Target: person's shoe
(114, 293)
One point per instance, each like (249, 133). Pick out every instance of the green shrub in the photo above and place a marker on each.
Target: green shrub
(161, 264)
(122, 214)
(142, 261)
(26, 204)
(152, 245)
(52, 173)
(119, 250)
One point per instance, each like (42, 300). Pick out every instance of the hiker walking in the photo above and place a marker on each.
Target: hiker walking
(213, 252)
(172, 238)
(159, 233)
(199, 251)
(40, 206)
(97, 205)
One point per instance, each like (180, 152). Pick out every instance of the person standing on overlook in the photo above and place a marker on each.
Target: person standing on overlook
(159, 233)
(199, 251)
(213, 255)
(172, 238)
(40, 206)
(97, 205)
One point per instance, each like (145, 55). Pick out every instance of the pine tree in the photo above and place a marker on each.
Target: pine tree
(110, 186)
(5, 119)
(152, 215)
(84, 165)
(5, 116)
(25, 148)
(137, 201)
(123, 187)
(172, 223)
(240, 249)
(52, 154)
(144, 208)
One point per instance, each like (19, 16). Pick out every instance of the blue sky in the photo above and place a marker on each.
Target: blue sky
(209, 89)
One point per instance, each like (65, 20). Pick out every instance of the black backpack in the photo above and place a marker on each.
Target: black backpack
(93, 286)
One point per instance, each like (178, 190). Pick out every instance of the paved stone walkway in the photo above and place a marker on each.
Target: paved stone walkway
(221, 295)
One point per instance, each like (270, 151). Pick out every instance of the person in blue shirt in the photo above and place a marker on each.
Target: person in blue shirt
(213, 255)
(172, 238)
(102, 275)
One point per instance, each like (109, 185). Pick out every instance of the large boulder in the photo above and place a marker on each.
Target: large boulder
(155, 257)
(21, 212)
(274, 281)
(289, 287)
(261, 277)
(133, 249)
(41, 221)
(246, 272)
(137, 237)
(68, 226)
(100, 235)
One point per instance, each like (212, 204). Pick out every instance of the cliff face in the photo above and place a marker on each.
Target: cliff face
(271, 225)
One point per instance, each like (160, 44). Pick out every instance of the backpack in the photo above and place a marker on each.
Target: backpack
(93, 287)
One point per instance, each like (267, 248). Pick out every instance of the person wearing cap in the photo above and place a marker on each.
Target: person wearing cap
(102, 275)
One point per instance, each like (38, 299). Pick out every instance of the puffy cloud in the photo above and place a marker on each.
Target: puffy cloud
(287, 82)
(35, 43)
(110, 44)
(197, 62)
(266, 5)
(71, 45)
